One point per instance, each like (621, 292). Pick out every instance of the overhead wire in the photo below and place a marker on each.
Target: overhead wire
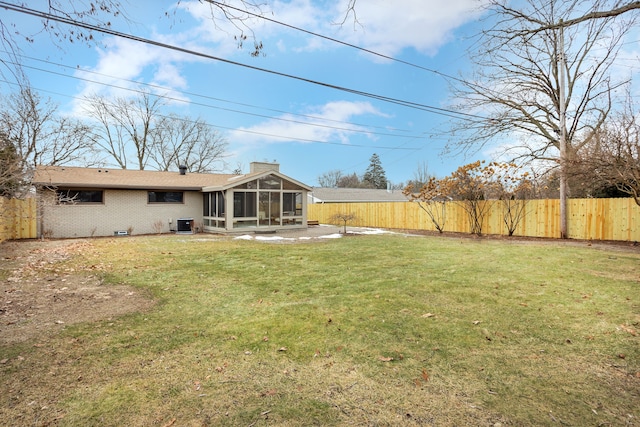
(409, 104)
(351, 45)
(253, 132)
(158, 87)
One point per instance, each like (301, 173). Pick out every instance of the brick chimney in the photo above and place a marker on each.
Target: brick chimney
(263, 166)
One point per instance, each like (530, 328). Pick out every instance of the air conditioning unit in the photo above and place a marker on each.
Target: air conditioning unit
(184, 225)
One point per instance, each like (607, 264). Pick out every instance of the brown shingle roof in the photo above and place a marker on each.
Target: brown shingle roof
(65, 176)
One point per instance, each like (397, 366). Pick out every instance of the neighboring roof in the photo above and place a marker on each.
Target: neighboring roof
(65, 176)
(342, 195)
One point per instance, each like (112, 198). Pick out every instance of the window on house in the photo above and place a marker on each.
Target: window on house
(166, 197)
(71, 197)
(270, 182)
(206, 206)
(291, 204)
(213, 204)
(269, 208)
(219, 212)
(244, 204)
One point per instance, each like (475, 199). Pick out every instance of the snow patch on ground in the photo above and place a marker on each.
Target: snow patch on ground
(352, 231)
(244, 237)
(369, 231)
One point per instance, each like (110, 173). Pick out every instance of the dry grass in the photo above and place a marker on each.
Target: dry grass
(370, 330)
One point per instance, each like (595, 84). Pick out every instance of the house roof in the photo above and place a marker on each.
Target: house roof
(346, 195)
(76, 177)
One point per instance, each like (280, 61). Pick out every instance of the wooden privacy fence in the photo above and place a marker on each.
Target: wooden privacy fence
(18, 218)
(588, 219)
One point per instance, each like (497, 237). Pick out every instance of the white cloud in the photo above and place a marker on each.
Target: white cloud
(387, 27)
(381, 25)
(330, 120)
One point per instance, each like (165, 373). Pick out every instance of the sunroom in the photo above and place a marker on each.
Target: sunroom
(268, 201)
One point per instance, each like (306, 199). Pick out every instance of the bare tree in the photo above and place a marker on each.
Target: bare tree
(12, 177)
(432, 197)
(330, 179)
(99, 13)
(179, 141)
(543, 88)
(515, 188)
(344, 218)
(40, 136)
(612, 159)
(352, 181)
(126, 126)
(421, 176)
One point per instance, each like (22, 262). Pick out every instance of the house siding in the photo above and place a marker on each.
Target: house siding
(121, 210)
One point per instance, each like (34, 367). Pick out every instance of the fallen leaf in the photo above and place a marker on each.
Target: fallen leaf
(282, 349)
(427, 315)
(629, 330)
(476, 322)
(271, 392)
(385, 359)
(425, 375)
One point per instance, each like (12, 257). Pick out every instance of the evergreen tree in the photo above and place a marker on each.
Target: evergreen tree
(11, 173)
(374, 174)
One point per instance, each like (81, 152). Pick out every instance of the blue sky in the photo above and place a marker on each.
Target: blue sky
(308, 128)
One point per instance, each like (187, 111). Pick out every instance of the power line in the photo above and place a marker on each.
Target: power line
(283, 137)
(408, 104)
(372, 52)
(354, 129)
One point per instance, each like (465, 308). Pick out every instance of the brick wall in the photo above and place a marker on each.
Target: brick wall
(122, 210)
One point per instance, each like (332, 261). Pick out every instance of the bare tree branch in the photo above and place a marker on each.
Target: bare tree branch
(178, 141)
(517, 80)
(125, 131)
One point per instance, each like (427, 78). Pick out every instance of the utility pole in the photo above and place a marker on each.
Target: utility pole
(563, 136)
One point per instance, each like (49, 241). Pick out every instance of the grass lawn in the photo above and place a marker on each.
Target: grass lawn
(364, 331)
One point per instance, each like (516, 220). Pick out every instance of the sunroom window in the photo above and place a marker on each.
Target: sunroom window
(244, 204)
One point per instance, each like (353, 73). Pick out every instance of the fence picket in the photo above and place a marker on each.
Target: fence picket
(589, 219)
(18, 218)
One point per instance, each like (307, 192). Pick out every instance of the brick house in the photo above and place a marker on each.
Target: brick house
(85, 202)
